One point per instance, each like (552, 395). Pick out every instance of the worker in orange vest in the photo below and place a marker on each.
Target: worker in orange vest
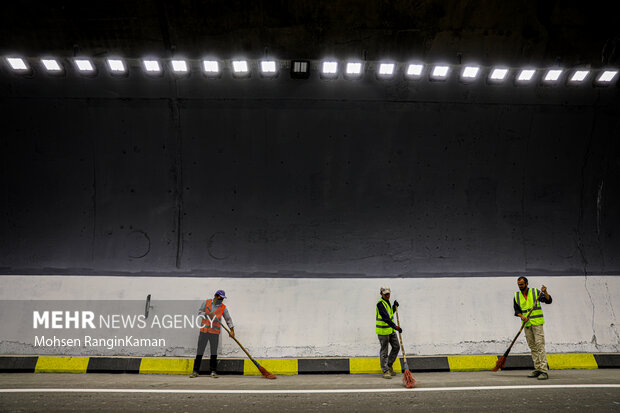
(212, 311)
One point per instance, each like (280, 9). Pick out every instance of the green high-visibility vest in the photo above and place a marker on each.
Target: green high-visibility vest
(536, 318)
(383, 328)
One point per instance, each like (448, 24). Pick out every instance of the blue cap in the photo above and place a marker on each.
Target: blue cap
(221, 293)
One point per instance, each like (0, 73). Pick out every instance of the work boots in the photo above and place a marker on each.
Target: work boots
(391, 371)
(387, 375)
(196, 369)
(213, 366)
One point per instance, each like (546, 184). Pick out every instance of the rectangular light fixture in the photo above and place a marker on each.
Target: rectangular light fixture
(51, 65)
(607, 76)
(386, 69)
(116, 66)
(268, 67)
(17, 63)
(579, 76)
(151, 66)
(329, 68)
(414, 70)
(211, 66)
(552, 75)
(498, 74)
(470, 72)
(179, 66)
(84, 65)
(353, 68)
(300, 69)
(440, 72)
(525, 75)
(240, 66)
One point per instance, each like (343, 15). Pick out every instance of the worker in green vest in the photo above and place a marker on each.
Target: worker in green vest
(385, 331)
(523, 301)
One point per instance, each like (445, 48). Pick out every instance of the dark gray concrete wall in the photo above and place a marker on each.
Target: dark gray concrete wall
(308, 178)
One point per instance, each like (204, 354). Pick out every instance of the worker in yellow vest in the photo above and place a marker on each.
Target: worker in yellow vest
(385, 331)
(212, 311)
(523, 301)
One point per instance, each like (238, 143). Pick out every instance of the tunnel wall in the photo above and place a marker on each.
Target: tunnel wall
(303, 196)
(278, 317)
(260, 177)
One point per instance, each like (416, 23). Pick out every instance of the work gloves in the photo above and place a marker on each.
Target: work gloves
(395, 303)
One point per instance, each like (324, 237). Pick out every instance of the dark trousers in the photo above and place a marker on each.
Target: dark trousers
(203, 338)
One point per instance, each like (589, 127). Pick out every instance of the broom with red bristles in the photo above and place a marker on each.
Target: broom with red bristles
(260, 368)
(408, 379)
(501, 363)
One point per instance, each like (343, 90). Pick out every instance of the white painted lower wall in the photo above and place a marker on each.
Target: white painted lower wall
(278, 317)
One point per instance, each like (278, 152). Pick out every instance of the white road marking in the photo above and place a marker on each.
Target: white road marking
(225, 391)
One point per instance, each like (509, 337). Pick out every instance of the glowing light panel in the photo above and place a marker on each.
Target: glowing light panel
(386, 69)
(470, 72)
(414, 69)
(211, 66)
(499, 74)
(268, 66)
(329, 68)
(152, 66)
(179, 66)
(116, 65)
(240, 66)
(84, 65)
(608, 76)
(51, 65)
(526, 75)
(553, 75)
(17, 63)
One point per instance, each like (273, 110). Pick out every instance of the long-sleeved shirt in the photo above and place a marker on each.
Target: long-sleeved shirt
(384, 314)
(214, 305)
(542, 299)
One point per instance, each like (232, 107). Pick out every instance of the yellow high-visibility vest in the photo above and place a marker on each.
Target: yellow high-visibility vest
(536, 318)
(383, 328)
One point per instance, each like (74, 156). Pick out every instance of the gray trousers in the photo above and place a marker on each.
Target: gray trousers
(388, 361)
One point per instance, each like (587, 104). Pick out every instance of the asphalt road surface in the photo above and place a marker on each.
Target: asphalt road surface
(566, 390)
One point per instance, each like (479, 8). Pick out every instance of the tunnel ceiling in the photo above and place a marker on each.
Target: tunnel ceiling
(487, 32)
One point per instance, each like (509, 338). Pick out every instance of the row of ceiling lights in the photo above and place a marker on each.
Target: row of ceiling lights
(327, 69)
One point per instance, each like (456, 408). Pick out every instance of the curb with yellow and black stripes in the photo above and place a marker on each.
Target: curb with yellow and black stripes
(161, 365)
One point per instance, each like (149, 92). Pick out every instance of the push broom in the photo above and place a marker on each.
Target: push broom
(501, 363)
(408, 379)
(260, 368)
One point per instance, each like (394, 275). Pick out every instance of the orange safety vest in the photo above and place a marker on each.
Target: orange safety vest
(212, 326)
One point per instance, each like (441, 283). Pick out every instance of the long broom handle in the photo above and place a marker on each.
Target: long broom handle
(242, 348)
(523, 323)
(400, 337)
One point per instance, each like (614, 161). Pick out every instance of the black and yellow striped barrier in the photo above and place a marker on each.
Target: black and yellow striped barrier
(164, 365)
